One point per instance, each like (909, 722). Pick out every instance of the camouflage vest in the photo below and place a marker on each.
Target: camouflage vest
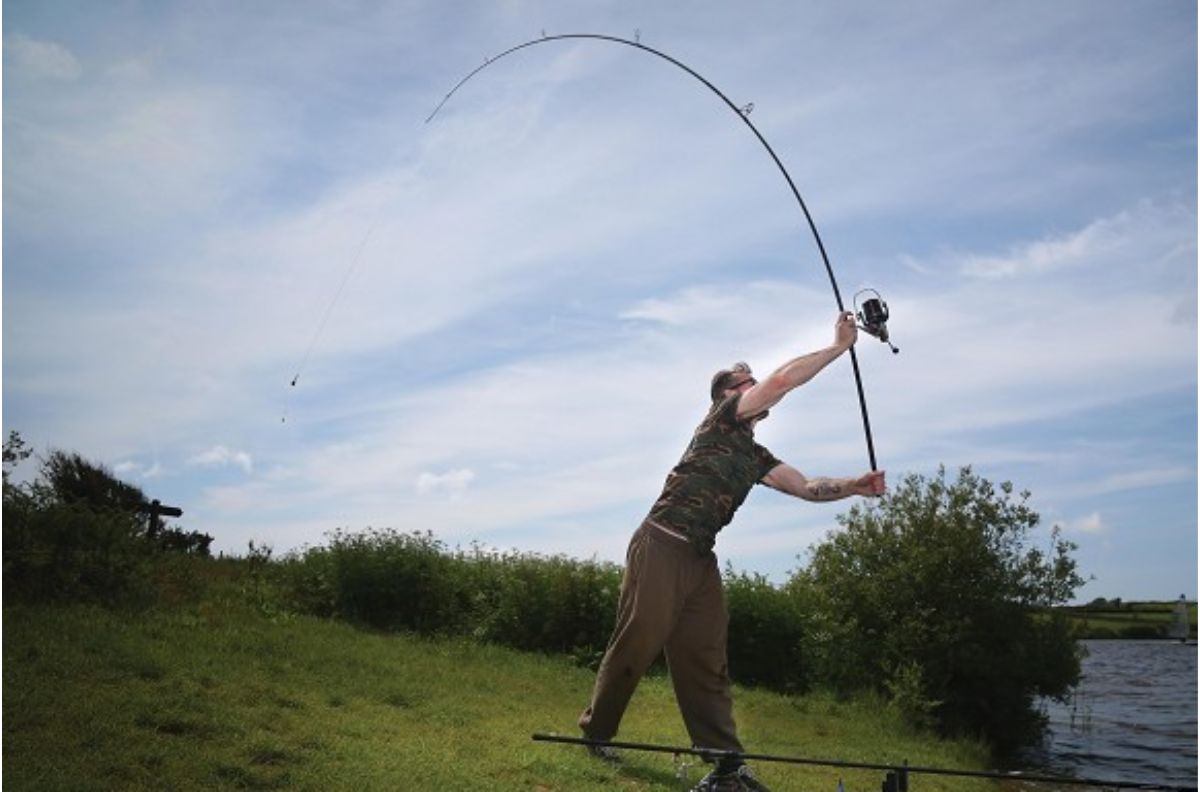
(714, 476)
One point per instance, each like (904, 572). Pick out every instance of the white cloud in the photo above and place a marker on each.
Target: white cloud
(1127, 481)
(1138, 236)
(139, 470)
(220, 456)
(42, 59)
(453, 481)
(1089, 524)
(1038, 256)
(688, 307)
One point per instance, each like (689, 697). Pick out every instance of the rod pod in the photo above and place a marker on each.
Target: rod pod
(899, 773)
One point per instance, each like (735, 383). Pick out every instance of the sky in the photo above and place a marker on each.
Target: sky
(502, 323)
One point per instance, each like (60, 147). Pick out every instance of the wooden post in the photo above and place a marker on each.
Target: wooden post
(158, 510)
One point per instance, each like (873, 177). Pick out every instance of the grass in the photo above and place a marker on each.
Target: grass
(218, 694)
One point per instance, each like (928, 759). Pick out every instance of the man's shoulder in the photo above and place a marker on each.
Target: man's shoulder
(724, 411)
(721, 429)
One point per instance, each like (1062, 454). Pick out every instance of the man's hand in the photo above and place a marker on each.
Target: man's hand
(845, 331)
(870, 485)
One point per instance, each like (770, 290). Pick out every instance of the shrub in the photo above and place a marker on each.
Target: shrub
(552, 604)
(767, 627)
(548, 604)
(933, 592)
(398, 581)
(78, 532)
(309, 580)
(69, 478)
(390, 580)
(60, 551)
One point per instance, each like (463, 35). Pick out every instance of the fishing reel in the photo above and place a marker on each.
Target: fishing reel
(873, 317)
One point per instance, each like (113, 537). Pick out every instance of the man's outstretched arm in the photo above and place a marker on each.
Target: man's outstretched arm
(796, 372)
(786, 478)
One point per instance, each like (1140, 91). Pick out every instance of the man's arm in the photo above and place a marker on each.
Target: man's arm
(796, 372)
(786, 478)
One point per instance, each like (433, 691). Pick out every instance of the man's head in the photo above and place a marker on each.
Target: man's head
(731, 378)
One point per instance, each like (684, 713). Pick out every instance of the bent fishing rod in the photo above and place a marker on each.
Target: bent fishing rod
(715, 754)
(873, 317)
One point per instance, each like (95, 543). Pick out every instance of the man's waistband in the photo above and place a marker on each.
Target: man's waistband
(671, 532)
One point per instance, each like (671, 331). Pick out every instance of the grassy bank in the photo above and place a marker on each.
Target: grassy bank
(222, 693)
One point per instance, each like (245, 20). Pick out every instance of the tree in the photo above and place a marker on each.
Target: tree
(934, 597)
(15, 452)
(79, 532)
(73, 479)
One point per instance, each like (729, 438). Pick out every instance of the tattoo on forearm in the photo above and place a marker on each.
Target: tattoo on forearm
(825, 489)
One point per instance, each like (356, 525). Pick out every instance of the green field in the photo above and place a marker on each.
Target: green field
(1127, 620)
(223, 692)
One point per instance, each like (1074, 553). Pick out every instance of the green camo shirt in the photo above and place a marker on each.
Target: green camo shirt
(714, 476)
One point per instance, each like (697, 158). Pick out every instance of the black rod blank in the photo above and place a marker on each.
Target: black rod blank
(714, 754)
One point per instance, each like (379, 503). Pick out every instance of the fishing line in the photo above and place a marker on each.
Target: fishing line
(742, 112)
(362, 245)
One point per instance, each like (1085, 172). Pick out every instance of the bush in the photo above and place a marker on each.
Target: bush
(59, 551)
(932, 592)
(767, 627)
(398, 581)
(69, 478)
(77, 532)
(553, 604)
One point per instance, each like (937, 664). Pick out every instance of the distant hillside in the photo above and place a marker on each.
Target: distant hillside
(1116, 619)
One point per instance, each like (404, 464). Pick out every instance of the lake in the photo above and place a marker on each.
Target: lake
(1133, 717)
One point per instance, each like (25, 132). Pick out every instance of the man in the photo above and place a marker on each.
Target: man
(671, 597)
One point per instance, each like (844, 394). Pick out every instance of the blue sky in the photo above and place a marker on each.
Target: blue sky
(539, 283)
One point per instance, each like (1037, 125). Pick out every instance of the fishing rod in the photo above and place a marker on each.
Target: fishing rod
(743, 113)
(900, 771)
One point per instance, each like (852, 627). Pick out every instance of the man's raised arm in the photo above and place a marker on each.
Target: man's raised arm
(798, 371)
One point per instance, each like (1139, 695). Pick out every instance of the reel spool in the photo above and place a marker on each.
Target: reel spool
(873, 317)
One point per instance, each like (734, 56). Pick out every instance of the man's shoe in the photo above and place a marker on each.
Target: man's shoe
(739, 780)
(605, 753)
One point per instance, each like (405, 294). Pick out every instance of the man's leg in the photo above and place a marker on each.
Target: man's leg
(646, 613)
(697, 661)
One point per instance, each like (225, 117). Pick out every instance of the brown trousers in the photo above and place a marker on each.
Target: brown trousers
(671, 599)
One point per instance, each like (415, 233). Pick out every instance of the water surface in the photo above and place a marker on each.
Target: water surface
(1133, 717)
